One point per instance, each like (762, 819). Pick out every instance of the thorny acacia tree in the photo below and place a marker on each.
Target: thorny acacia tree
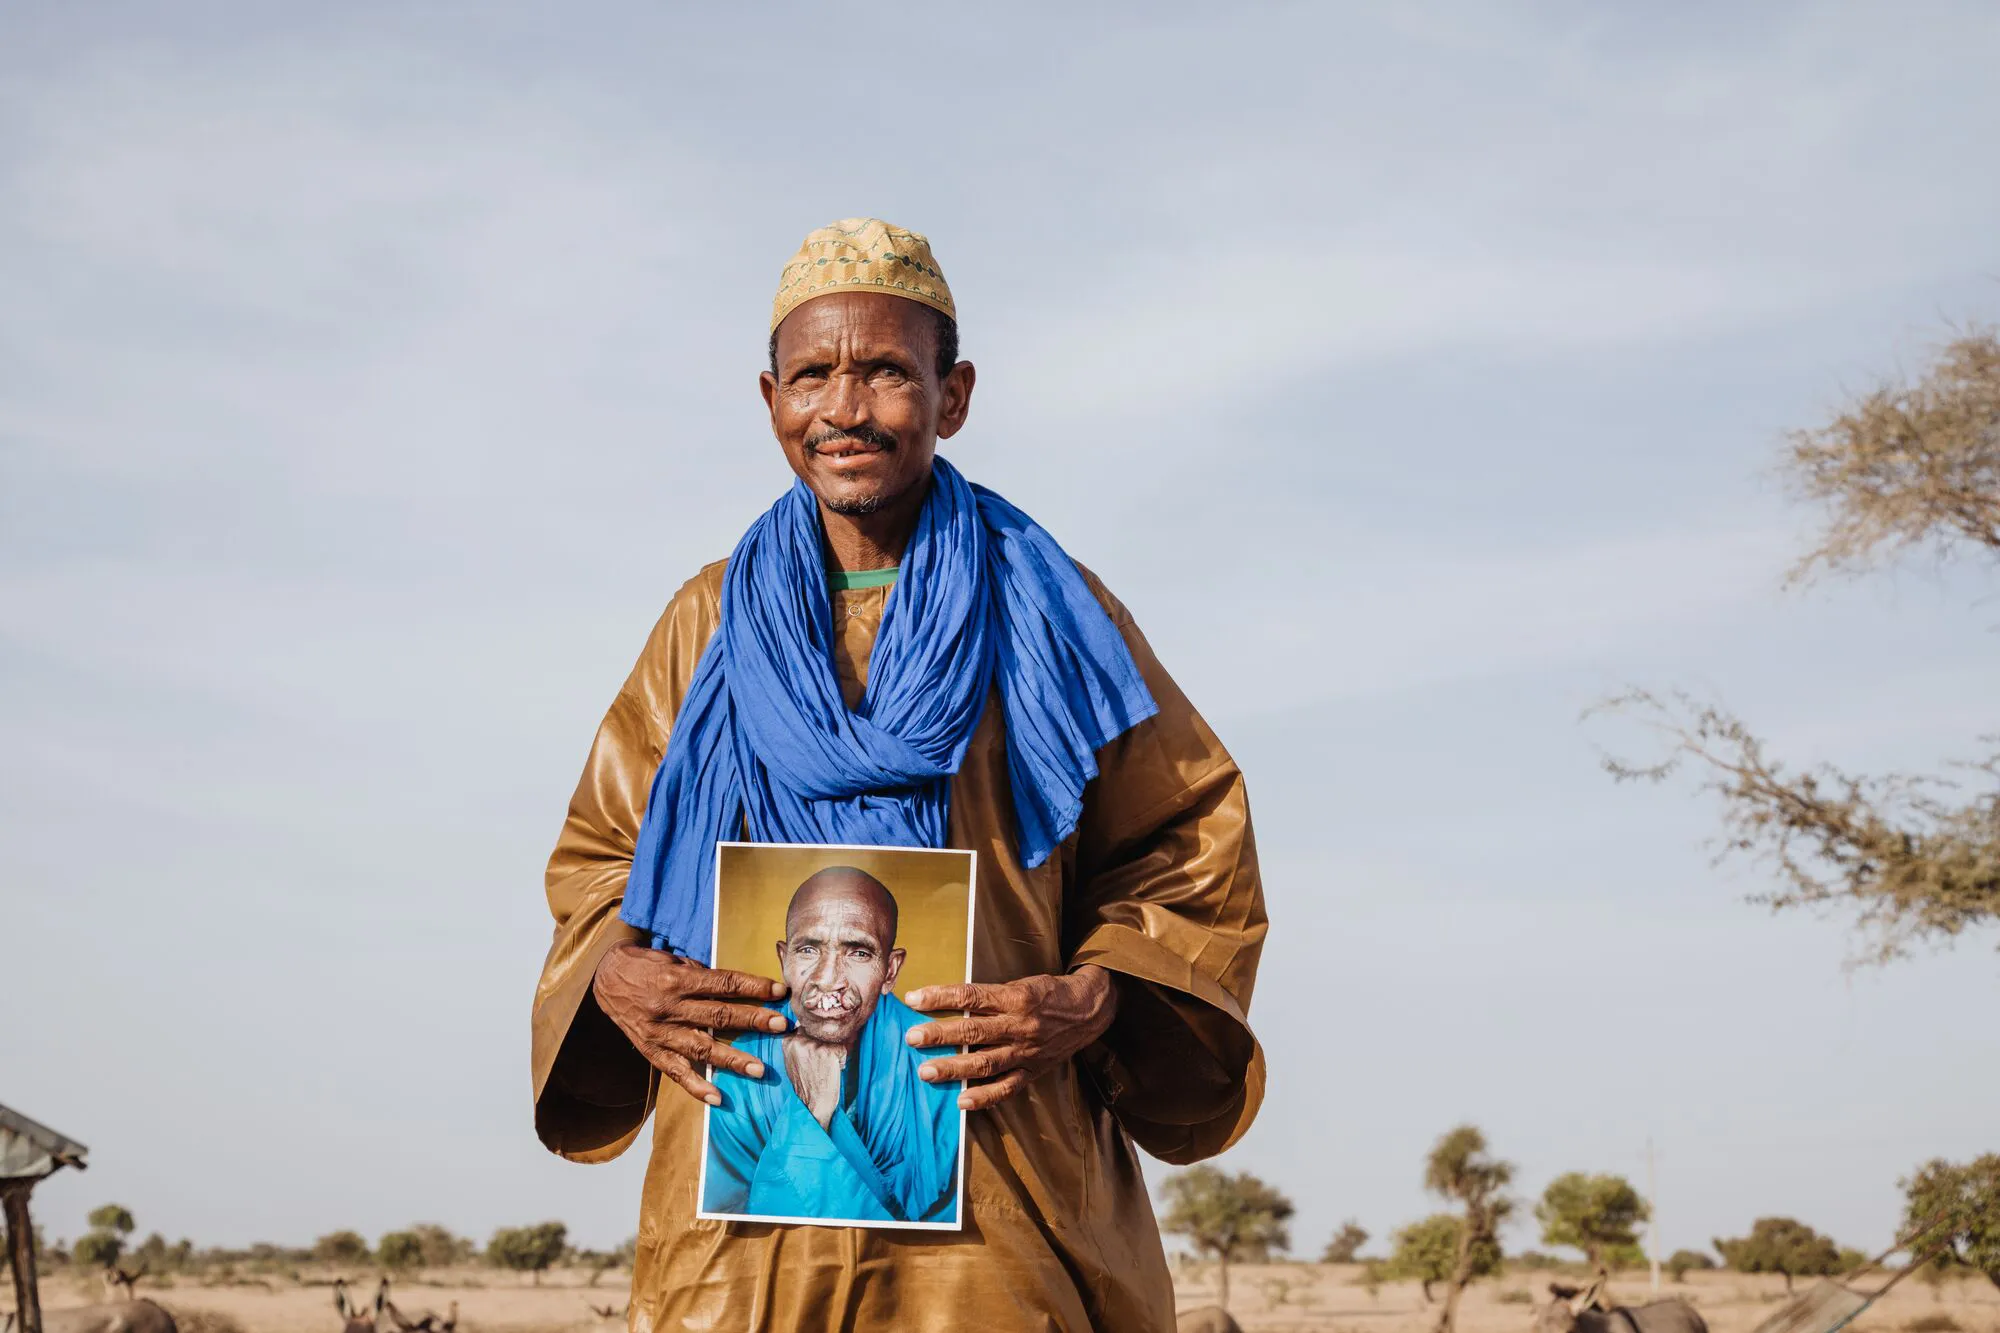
(399, 1251)
(1599, 1215)
(528, 1249)
(1228, 1216)
(442, 1248)
(341, 1247)
(1782, 1245)
(1462, 1170)
(111, 1217)
(1425, 1251)
(1681, 1261)
(1907, 468)
(1345, 1244)
(1967, 1200)
(111, 1225)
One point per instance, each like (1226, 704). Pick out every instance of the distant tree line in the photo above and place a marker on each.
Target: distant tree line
(527, 1249)
(1237, 1218)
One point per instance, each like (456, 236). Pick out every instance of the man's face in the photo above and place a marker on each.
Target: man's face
(837, 958)
(857, 401)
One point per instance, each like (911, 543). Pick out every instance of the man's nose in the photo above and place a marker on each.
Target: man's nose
(825, 971)
(845, 404)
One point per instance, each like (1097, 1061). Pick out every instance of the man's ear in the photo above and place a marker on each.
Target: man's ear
(957, 399)
(781, 958)
(895, 966)
(767, 384)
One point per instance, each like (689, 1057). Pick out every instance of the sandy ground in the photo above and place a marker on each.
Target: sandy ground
(1266, 1298)
(1318, 1298)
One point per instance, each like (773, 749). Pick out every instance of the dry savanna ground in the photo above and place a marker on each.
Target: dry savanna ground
(1266, 1298)
(1328, 1298)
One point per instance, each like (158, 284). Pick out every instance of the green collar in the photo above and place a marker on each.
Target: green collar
(847, 580)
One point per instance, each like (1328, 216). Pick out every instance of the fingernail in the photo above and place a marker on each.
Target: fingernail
(926, 1073)
(776, 1023)
(777, 990)
(915, 999)
(756, 1069)
(713, 1099)
(915, 1036)
(964, 1102)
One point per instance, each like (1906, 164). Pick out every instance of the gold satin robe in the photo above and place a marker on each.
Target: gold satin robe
(1159, 882)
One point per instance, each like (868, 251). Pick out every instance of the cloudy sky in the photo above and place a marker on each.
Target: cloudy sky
(371, 374)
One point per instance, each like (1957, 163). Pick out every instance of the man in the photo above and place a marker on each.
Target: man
(893, 657)
(841, 1126)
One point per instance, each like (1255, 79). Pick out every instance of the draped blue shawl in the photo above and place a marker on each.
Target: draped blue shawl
(765, 747)
(888, 1153)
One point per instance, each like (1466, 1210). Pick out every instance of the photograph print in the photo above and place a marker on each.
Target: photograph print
(840, 1130)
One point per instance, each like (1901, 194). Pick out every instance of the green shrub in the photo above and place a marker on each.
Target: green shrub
(399, 1251)
(528, 1249)
(442, 1248)
(1782, 1245)
(1428, 1250)
(336, 1247)
(98, 1249)
(1596, 1214)
(1680, 1262)
(1965, 1200)
(1346, 1243)
(111, 1217)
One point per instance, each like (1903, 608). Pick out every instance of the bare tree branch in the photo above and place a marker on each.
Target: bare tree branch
(1907, 465)
(1917, 858)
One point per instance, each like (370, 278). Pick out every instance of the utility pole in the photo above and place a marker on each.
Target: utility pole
(1653, 1211)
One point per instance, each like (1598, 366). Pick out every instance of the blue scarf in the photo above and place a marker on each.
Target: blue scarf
(764, 745)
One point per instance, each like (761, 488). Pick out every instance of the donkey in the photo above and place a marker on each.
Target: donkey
(117, 1280)
(430, 1321)
(353, 1320)
(1592, 1311)
(137, 1315)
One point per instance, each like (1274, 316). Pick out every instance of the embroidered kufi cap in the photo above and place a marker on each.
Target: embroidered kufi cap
(862, 254)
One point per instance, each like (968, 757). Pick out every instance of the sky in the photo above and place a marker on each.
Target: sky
(371, 375)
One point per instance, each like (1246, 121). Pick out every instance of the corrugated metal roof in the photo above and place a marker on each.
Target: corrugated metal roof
(30, 1149)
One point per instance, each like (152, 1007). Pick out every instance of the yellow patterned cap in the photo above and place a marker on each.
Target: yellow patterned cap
(866, 254)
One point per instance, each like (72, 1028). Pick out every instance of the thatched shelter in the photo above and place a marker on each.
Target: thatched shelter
(29, 1153)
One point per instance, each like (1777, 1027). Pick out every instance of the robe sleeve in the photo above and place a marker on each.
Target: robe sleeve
(592, 1088)
(1167, 893)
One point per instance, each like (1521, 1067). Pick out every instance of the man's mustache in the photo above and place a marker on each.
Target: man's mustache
(872, 435)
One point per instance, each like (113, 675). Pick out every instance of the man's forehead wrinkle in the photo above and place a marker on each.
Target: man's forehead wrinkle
(836, 935)
(841, 326)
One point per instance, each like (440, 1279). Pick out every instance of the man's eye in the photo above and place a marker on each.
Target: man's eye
(806, 949)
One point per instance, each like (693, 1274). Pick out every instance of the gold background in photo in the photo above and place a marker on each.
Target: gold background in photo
(932, 890)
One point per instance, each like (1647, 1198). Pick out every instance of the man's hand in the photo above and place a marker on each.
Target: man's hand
(1022, 1028)
(665, 1005)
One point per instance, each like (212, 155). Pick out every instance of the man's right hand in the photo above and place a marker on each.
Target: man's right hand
(666, 1006)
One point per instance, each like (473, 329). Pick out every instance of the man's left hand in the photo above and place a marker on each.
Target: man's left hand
(1020, 1029)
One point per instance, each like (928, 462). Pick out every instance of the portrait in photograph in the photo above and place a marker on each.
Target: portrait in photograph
(841, 1130)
